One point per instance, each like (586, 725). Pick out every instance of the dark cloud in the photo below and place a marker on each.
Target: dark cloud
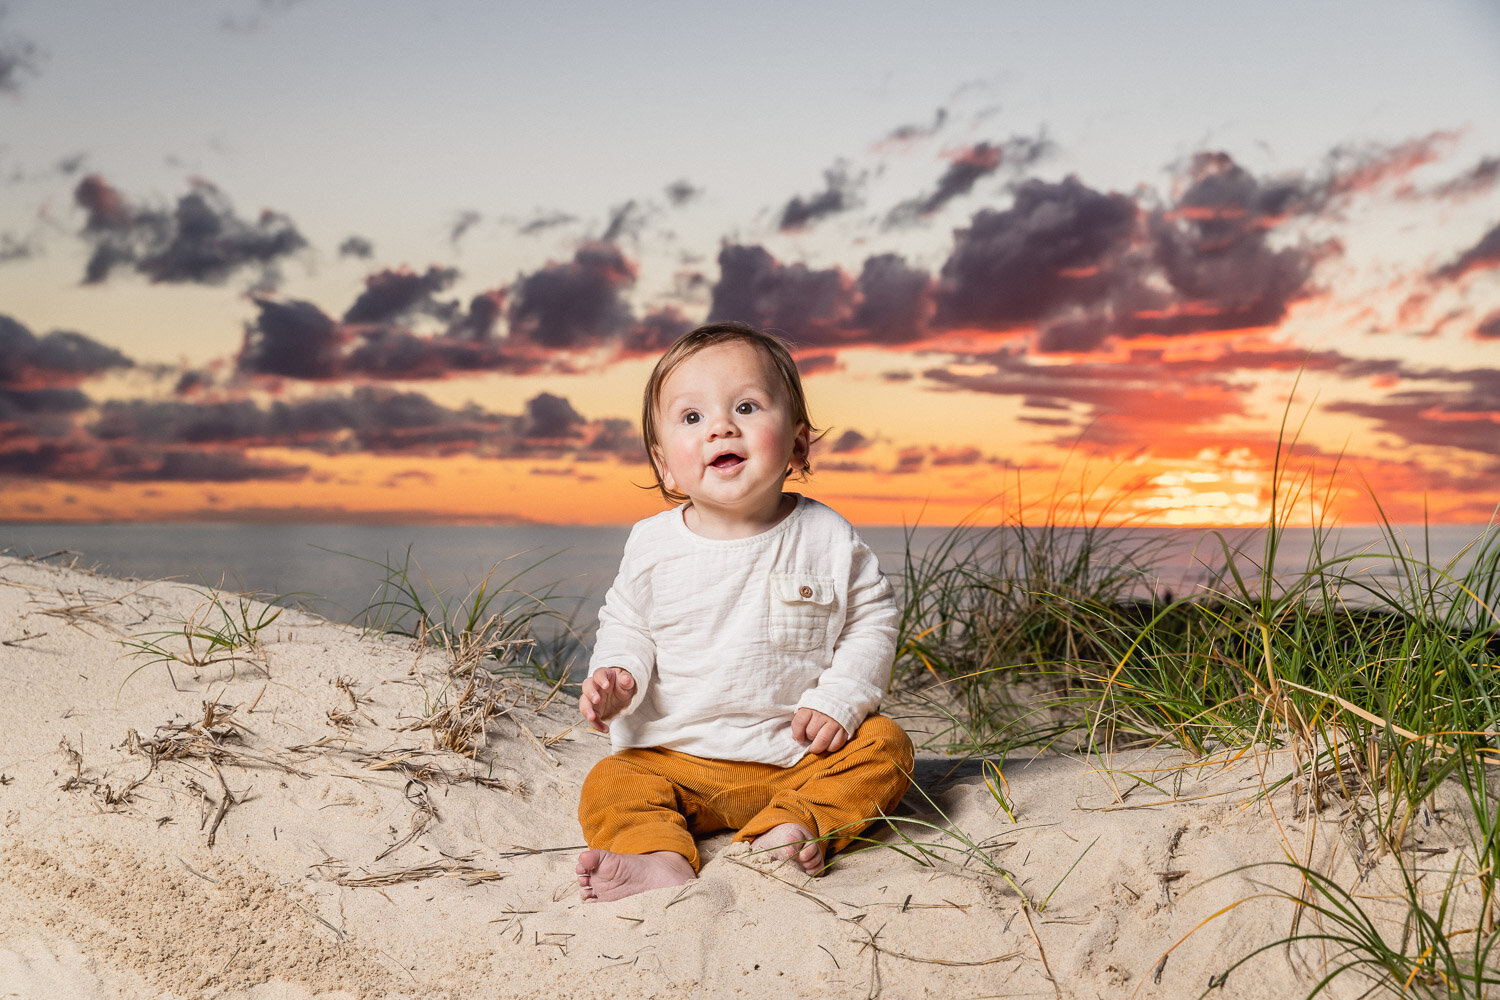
(618, 438)
(82, 462)
(895, 300)
(1482, 256)
(552, 417)
(295, 339)
(681, 192)
(889, 303)
(818, 364)
(1213, 249)
(656, 332)
(357, 246)
(812, 307)
(967, 167)
(850, 440)
(482, 318)
(59, 358)
(18, 58)
(1054, 247)
(402, 293)
(1085, 267)
(19, 406)
(466, 221)
(838, 195)
(577, 304)
(214, 440)
(965, 170)
(1074, 334)
(542, 223)
(1489, 327)
(201, 241)
(910, 133)
(626, 221)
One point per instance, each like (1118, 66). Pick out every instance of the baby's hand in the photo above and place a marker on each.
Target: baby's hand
(605, 695)
(817, 730)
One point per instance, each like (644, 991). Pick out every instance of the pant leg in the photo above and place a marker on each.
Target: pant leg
(640, 801)
(840, 794)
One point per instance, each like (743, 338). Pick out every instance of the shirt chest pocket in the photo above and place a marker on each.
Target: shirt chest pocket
(802, 607)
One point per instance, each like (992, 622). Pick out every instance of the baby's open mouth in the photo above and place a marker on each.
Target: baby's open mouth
(728, 460)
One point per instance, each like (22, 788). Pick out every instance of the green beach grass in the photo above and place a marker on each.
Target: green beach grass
(1378, 672)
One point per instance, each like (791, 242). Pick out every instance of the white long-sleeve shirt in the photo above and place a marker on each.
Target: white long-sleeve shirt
(727, 638)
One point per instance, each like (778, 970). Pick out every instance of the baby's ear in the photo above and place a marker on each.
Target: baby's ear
(802, 449)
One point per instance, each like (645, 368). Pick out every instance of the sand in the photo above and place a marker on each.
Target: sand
(280, 825)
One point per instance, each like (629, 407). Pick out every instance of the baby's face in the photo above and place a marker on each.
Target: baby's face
(727, 435)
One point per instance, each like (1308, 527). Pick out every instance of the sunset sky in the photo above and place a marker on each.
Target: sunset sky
(310, 260)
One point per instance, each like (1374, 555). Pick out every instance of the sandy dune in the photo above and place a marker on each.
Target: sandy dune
(352, 858)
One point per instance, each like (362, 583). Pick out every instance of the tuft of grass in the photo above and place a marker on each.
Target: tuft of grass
(490, 625)
(221, 629)
(1378, 672)
(486, 642)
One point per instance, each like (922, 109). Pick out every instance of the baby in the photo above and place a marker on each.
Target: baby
(745, 643)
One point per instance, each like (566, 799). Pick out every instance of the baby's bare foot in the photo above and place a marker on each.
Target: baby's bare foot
(792, 842)
(605, 875)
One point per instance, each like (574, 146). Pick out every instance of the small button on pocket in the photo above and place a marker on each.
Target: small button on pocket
(801, 607)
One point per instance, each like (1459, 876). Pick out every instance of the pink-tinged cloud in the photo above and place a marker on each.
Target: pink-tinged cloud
(1356, 170)
(903, 135)
(59, 358)
(1489, 327)
(1482, 256)
(402, 294)
(1048, 251)
(966, 167)
(213, 440)
(840, 193)
(1478, 180)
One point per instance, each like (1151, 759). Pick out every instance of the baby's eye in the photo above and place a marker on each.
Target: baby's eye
(691, 417)
(746, 407)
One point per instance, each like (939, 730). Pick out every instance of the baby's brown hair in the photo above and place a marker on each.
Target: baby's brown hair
(710, 335)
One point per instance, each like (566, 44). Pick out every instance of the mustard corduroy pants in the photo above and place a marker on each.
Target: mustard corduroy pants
(643, 800)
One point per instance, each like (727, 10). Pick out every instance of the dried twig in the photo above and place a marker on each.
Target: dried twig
(467, 873)
(224, 803)
(1040, 950)
(795, 888)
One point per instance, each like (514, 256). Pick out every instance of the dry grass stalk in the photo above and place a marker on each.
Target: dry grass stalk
(425, 814)
(77, 608)
(345, 718)
(102, 790)
(453, 868)
(459, 726)
(225, 801)
(215, 738)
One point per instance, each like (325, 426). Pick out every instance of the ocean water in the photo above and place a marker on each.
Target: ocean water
(326, 567)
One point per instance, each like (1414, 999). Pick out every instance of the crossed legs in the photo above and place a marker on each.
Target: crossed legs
(640, 808)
